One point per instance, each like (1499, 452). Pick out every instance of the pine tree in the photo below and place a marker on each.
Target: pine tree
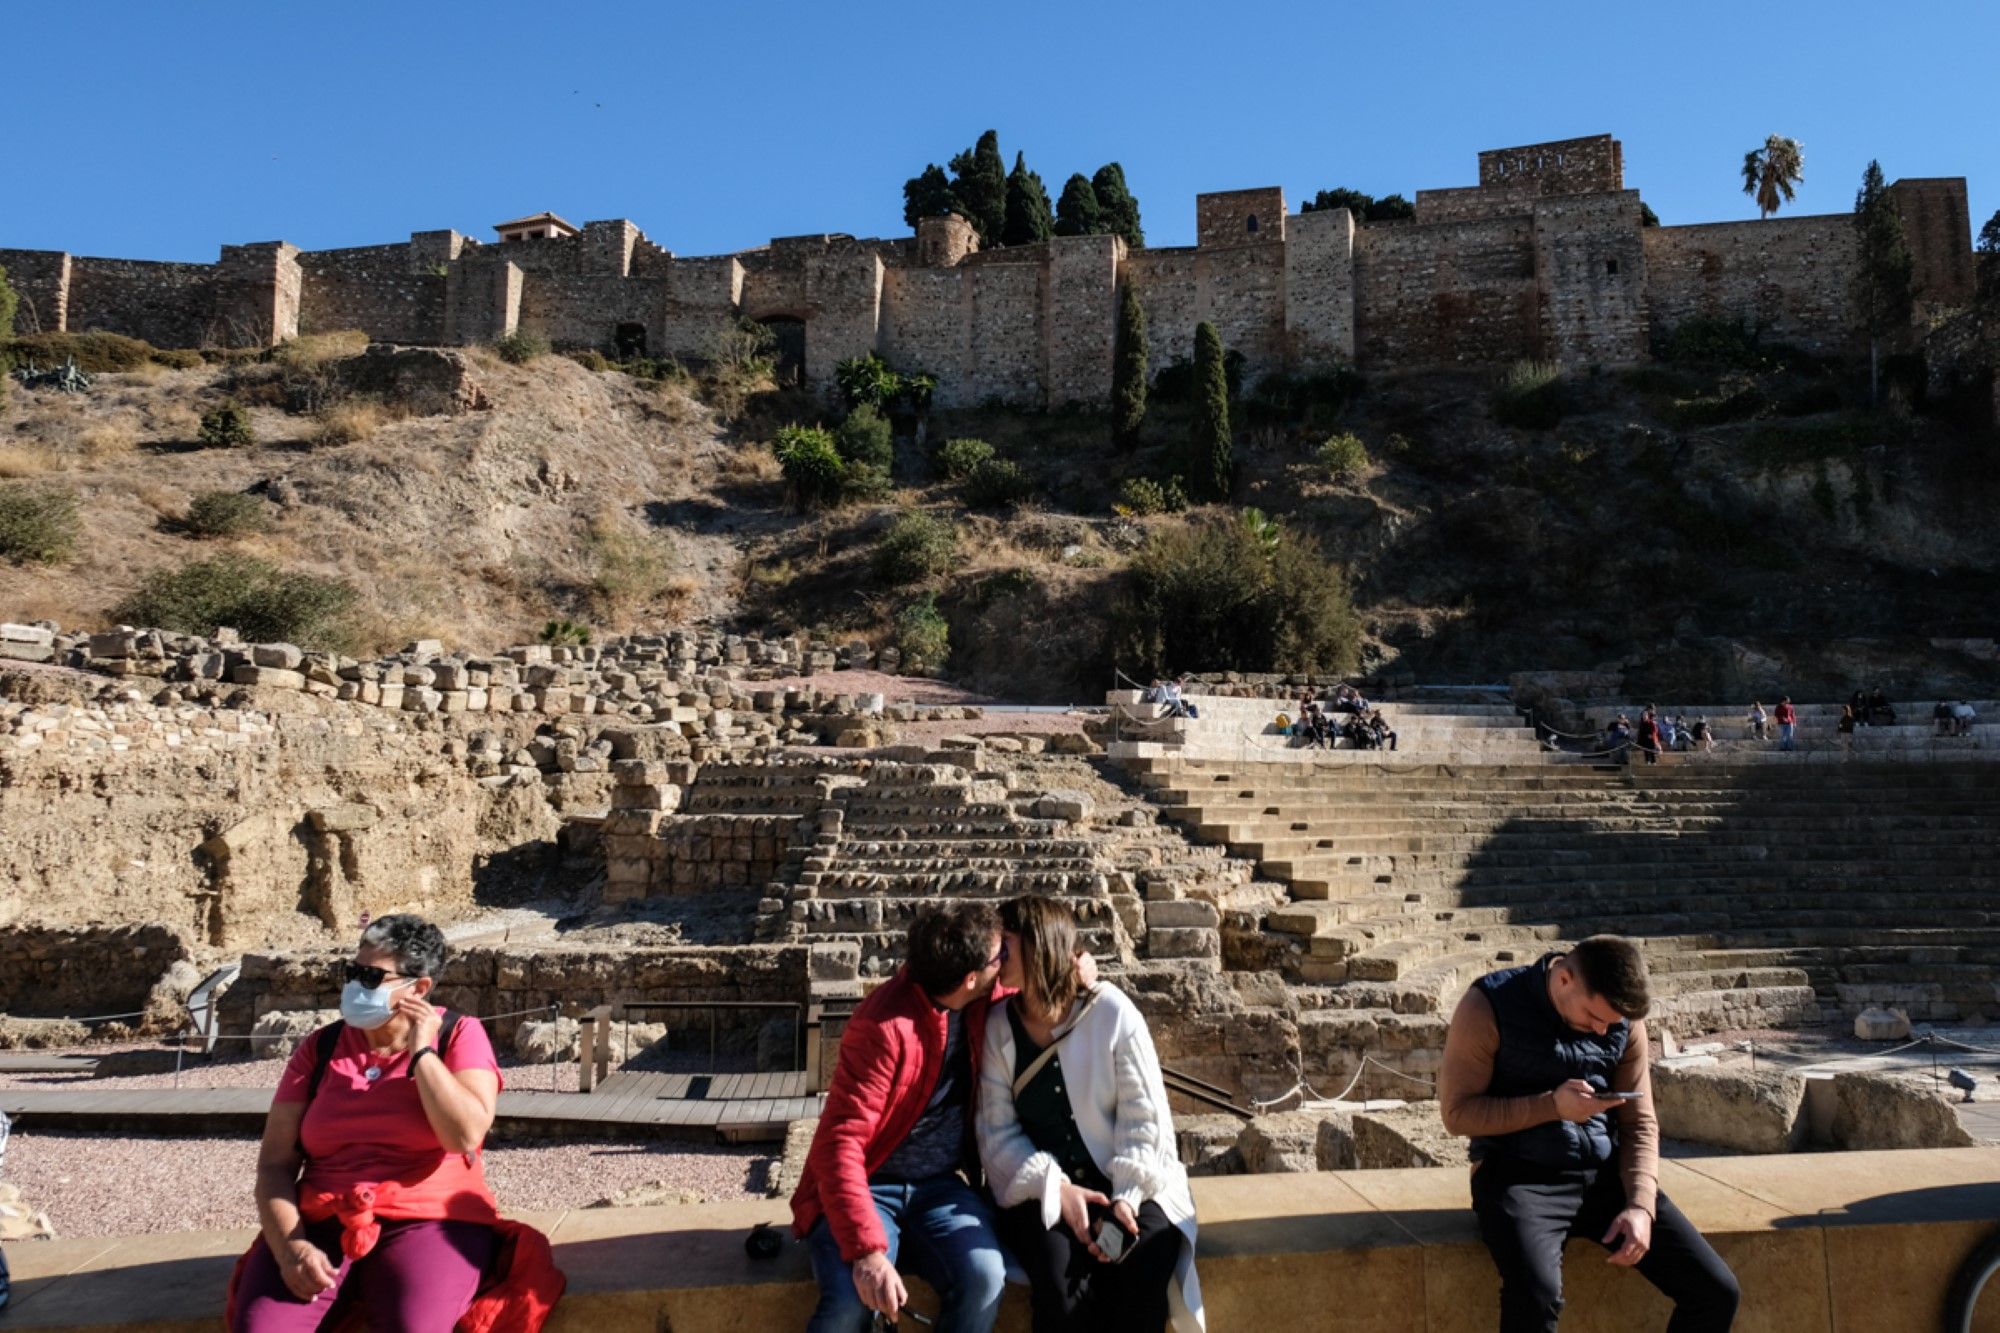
(979, 183)
(1028, 219)
(1077, 213)
(1882, 270)
(1354, 201)
(1118, 210)
(927, 195)
(1128, 369)
(1211, 468)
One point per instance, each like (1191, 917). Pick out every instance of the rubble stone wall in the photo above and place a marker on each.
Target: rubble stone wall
(1786, 277)
(53, 971)
(385, 289)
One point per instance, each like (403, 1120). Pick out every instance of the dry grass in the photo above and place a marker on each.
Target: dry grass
(348, 422)
(108, 439)
(173, 423)
(20, 461)
(313, 350)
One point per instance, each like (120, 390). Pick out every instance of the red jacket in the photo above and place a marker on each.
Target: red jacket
(1786, 715)
(890, 1059)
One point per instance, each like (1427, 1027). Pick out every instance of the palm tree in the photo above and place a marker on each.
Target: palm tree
(1772, 171)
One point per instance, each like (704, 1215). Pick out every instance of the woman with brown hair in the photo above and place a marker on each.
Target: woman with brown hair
(1078, 1144)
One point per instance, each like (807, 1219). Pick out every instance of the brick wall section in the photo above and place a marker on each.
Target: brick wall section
(482, 300)
(927, 324)
(1937, 226)
(1169, 286)
(1475, 203)
(1561, 166)
(698, 301)
(168, 305)
(41, 279)
(1239, 217)
(56, 971)
(1590, 266)
(1319, 289)
(256, 294)
(1786, 276)
(395, 292)
(1082, 318)
(1456, 293)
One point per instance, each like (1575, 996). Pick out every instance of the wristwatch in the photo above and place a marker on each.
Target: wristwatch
(419, 1054)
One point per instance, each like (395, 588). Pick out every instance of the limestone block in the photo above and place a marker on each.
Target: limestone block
(1207, 1144)
(13, 633)
(1183, 912)
(282, 655)
(342, 818)
(450, 701)
(115, 644)
(1761, 1112)
(1882, 1025)
(1286, 1142)
(1179, 942)
(419, 675)
(1073, 806)
(419, 700)
(424, 648)
(540, 1042)
(838, 960)
(278, 1033)
(1334, 1148)
(1405, 1136)
(1072, 742)
(274, 678)
(1881, 1111)
(448, 675)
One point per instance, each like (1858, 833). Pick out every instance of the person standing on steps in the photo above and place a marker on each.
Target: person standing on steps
(1649, 736)
(1545, 1069)
(1787, 718)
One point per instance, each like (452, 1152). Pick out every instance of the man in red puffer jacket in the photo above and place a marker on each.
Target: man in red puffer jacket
(886, 1163)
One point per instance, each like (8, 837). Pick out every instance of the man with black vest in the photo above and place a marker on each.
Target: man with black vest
(1545, 1069)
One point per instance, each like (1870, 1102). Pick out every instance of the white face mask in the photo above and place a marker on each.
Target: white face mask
(368, 1009)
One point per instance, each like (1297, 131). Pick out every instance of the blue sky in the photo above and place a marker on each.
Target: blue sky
(164, 128)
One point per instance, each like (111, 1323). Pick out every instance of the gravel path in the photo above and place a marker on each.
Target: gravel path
(105, 1185)
(150, 1065)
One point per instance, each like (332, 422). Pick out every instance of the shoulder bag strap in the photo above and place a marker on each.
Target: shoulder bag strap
(1027, 1076)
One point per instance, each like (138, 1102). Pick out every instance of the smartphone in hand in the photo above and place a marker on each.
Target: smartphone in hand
(1608, 1096)
(1111, 1239)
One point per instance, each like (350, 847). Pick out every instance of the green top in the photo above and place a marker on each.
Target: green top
(1043, 1109)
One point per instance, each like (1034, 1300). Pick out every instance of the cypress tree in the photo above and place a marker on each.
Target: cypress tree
(979, 183)
(927, 195)
(1882, 270)
(1128, 370)
(1987, 258)
(1028, 217)
(1211, 469)
(1118, 210)
(1077, 213)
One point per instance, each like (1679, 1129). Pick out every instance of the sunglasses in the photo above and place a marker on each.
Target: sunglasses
(372, 977)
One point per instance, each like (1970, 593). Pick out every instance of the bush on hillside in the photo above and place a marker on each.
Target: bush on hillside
(1343, 456)
(1529, 396)
(568, 632)
(1713, 341)
(918, 546)
(956, 459)
(996, 484)
(521, 347)
(227, 426)
(1224, 597)
(37, 524)
(1142, 497)
(96, 353)
(814, 470)
(865, 439)
(923, 636)
(262, 602)
(224, 514)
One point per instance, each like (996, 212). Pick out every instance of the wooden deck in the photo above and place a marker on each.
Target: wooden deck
(741, 1108)
(34, 1062)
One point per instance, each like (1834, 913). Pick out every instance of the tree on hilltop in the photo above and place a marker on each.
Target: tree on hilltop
(928, 195)
(1882, 270)
(1365, 207)
(1027, 217)
(1988, 252)
(1077, 213)
(1211, 465)
(1128, 370)
(1118, 210)
(979, 184)
(1773, 172)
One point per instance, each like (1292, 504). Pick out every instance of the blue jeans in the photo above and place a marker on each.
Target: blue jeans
(951, 1244)
(1785, 735)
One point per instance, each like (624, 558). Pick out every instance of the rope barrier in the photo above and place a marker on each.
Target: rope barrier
(1318, 1098)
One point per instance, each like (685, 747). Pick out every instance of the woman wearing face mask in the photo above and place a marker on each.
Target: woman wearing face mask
(1078, 1144)
(370, 1185)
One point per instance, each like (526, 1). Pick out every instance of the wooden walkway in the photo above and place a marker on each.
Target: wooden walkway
(34, 1062)
(733, 1107)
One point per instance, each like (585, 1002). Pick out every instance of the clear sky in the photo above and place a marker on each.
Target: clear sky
(164, 128)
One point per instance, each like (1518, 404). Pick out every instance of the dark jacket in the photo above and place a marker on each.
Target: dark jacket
(1539, 1051)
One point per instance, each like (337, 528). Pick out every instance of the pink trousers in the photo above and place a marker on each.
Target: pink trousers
(419, 1278)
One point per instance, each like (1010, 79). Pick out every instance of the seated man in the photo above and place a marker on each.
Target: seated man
(1944, 716)
(1545, 1068)
(1384, 733)
(885, 1162)
(1963, 718)
(1880, 713)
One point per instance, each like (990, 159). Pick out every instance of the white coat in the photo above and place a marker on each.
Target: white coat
(1112, 1079)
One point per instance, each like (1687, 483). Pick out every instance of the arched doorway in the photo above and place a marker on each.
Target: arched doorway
(788, 348)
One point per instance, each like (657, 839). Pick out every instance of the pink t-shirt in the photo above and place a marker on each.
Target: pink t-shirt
(362, 1130)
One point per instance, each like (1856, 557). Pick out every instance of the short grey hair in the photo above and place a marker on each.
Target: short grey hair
(418, 945)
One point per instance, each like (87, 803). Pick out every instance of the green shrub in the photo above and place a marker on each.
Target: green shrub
(1227, 596)
(1713, 341)
(1313, 398)
(9, 301)
(865, 439)
(568, 632)
(97, 353)
(592, 360)
(956, 459)
(226, 514)
(996, 484)
(262, 602)
(1343, 456)
(1529, 396)
(814, 470)
(917, 546)
(179, 358)
(923, 636)
(227, 426)
(37, 524)
(866, 381)
(521, 347)
(1140, 497)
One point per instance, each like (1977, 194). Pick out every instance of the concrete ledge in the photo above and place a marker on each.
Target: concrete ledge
(1853, 1243)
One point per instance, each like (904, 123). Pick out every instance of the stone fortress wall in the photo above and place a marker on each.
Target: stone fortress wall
(1545, 257)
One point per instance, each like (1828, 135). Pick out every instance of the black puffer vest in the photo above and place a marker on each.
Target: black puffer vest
(1538, 1051)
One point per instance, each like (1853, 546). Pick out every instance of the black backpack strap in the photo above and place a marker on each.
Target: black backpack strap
(446, 1026)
